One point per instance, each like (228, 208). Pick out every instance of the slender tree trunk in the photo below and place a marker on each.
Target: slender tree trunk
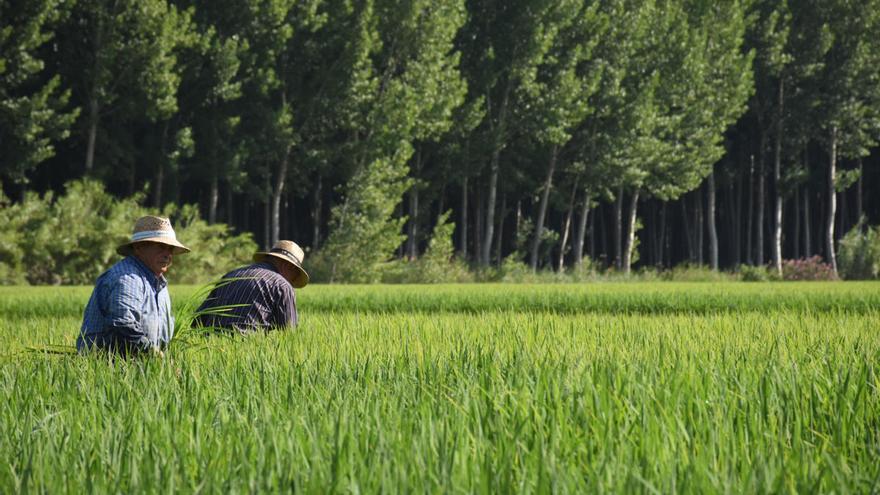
(230, 208)
(751, 212)
(413, 227)
(808, 243)
(603, 229)
(213, 198)
(581, 230)
(246, 213)
(661, 245)
(777, 182)
(542, 210)
(317, 207)
(411, 245)
(478, 228)
(493, 176)
(685, 220)
(267, 221)
(280, 176)
(761, 203)
(713, 233)
(797, 222)
(829, 225)
(567, 227)
(93, 133)
(700, 224)
(463, 240)
(737, 223)
(499, 239)
(591, 219)
(630, 232)
(618, 226)
(860, 211)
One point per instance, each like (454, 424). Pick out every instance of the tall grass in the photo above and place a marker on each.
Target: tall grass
(400, 390)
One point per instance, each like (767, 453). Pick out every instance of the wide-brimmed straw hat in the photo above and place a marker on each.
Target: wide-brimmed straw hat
(290, 252)
(153, 229)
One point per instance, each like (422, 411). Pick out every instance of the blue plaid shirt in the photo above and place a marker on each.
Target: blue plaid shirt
(129, 310)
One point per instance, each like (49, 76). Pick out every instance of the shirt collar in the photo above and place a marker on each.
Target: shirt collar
(158, 283)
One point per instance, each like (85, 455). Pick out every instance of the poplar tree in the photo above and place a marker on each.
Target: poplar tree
(34, 110)
(403, 86)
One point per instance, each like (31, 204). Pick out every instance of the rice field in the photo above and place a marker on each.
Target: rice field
(629, 387)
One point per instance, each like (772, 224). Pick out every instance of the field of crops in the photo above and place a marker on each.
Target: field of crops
(640, 387)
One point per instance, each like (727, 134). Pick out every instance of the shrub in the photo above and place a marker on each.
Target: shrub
(812, 268)
(752, 273)
(71, 239)
(437, 265)
(859, 254)
(215, 250)
(687, 272)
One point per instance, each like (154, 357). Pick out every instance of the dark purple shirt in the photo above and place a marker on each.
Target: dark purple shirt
(266, 300)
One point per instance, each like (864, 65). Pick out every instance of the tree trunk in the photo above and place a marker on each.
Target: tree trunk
(412, 231)
(567, 227)
(808, 243)
(230, 217)
(860, 211)
(93, 133)
(700, 224)
(213, 198)
(478, 228)
(737, 223)
(777, 182)
(630, 232)
(760, 220)
(685, 220)
(797, 223)
(499, 239)
(603, 229)
(267, 222)
(581, 230)
(750, 226)
(413, 227)
(713, 234)
(829, 224)
(661, 244)
(618, 226)
(542, 210)
(493, 176)
(317, 207)
(280, 176)
(463, 240)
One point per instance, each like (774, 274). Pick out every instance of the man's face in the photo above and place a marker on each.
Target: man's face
(155, 255)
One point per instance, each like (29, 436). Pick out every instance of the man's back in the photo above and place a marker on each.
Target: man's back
(251, 298)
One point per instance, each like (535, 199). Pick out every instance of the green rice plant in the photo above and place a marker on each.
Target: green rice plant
(726, 388)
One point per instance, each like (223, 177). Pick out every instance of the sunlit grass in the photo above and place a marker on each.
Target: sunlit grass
(400, 390)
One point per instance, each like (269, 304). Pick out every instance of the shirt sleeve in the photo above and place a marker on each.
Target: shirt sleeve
(122, 301)
(285, 307)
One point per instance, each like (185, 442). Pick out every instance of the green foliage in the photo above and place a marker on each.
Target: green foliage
(859, 256)
(437, 265)
(756, 273)
(34, 111)
(686, 272)
(215, 250)
(72, 238)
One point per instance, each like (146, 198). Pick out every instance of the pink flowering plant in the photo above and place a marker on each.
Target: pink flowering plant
(812, 268)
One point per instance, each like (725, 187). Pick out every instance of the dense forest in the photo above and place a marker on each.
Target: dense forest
(629, 133)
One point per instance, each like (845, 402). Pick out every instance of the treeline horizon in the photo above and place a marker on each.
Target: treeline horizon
(632, 132)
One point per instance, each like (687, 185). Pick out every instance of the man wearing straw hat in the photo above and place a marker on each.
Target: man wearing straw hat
(130, 310)
(260, 296)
